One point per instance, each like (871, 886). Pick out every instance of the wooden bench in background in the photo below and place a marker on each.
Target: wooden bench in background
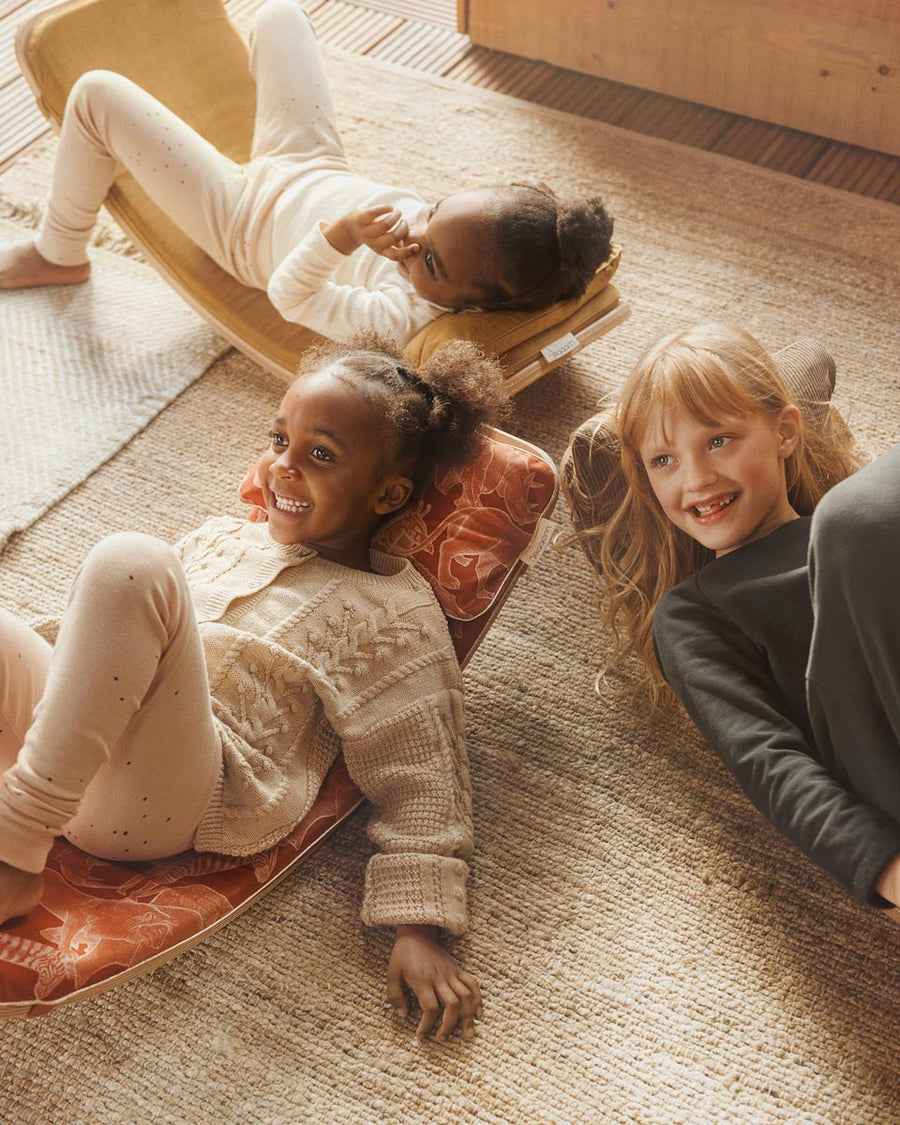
(830, 67)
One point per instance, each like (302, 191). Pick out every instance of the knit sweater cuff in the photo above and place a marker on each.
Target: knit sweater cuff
(426, 890)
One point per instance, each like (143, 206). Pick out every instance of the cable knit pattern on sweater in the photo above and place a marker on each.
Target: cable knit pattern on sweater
(296, 645)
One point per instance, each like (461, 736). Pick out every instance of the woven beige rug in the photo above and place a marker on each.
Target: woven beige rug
(82, 370)
(651, 953)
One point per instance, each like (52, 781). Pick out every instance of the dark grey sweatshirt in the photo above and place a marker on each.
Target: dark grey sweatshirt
(733, 641)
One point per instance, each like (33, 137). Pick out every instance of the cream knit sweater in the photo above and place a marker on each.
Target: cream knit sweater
(300, 649)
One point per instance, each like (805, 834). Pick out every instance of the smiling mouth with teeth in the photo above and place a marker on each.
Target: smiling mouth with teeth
(286, 504)
(701, 510)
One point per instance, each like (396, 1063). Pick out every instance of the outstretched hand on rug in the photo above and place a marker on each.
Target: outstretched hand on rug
(421, 963)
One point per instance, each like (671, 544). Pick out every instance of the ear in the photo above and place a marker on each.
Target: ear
(788, 431)
(395, 492)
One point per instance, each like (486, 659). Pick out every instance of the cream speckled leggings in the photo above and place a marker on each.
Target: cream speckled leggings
(122, 752)
(225, 207)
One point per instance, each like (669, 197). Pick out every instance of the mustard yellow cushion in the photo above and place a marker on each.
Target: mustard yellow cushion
(191, 57)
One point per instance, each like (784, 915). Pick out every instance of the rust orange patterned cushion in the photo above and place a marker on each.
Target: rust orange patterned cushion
(101, 923)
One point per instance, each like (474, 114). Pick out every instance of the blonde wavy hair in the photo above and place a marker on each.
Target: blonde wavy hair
(713, 372)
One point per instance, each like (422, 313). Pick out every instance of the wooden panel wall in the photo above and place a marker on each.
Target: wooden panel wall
(830, 67)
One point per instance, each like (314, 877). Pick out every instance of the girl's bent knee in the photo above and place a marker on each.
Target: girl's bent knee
(271, 9)
(94, 85)
(130, 576)
(278, 16)
(129, 557)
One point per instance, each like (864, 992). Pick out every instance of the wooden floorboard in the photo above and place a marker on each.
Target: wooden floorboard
(421, 34)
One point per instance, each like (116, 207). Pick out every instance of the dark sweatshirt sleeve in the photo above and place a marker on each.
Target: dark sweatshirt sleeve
(722, 678)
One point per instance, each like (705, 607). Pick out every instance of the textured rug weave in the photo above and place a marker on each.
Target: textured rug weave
(651, 952)
(82, 369)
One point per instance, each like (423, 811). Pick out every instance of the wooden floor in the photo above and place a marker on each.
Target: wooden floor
(421, 34)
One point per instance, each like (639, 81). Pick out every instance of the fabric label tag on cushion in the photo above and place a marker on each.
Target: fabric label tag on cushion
(560, 347)
(544, 534)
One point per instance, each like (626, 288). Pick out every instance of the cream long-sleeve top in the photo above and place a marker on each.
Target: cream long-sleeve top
(332, 293)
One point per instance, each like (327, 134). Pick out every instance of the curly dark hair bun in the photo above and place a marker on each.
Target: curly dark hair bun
(468, 395)
(584, 232)
(548, 247)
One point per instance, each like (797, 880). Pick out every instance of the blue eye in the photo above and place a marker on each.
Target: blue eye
(662, 461)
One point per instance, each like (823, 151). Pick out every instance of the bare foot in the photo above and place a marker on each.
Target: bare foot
(20, 891)
(22, 267)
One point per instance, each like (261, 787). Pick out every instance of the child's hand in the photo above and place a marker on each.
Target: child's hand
(419, 961)
(888, 885)
(380, 228)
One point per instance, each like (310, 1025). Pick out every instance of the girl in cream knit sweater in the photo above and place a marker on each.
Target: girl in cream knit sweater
(195, 693)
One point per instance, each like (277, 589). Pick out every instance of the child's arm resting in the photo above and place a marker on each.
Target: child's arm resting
(302, 290)
(412, 766)
(724, 683)
(419, 962)
(888, 885)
